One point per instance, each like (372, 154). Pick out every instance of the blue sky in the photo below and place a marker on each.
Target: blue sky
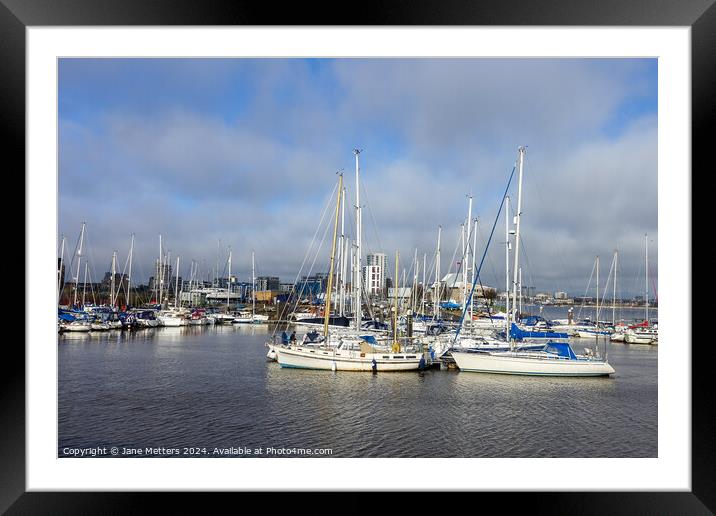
(246, 150)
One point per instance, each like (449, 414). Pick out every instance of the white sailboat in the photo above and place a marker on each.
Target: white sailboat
(644, 333)
(251, 317)
(555, 359)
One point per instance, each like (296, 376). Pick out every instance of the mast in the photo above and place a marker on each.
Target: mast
(160, 274)
(358, 306)
(437, 277)
(176, 285)
(216, 271)
(472, 267)
(253, 284)
(464, 269)
(597, 313)
(59, 271)
(79, 259)
(614, 295)
(646, 277)
(507, 267)
(327, 310)
(344, 263)
(422, 299)
(228, 285)
(413, 292)
(342, 254)
(517, 234)
(466, 251)
(129, 278)
(114, 271)
(396, 346)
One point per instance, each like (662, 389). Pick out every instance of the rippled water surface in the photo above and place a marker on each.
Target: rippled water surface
(207, 387)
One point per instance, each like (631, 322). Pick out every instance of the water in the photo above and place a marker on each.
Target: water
(202, 388)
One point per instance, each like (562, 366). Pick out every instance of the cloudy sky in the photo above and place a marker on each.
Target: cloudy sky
(245, 152)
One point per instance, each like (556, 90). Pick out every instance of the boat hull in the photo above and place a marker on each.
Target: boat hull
(335, 360)
(509, 363)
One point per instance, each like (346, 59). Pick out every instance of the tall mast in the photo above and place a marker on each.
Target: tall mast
(228, 284)
(464, 269)
(472, 267)
(437, 277)
(597, 313)
(160, 273)
(614, 295)
(507, 267)
(340, 273)
(396, 346)
(329, 289)
(466, 253)
(114, 271)
(646, 277)
(517, 234)
(129, 278)
(216, 271)
(79, 258)
(59, 271)
(253, 283)
(176, 285)
(413, 292)
(422, 299)
(358, 306)
(344, 256)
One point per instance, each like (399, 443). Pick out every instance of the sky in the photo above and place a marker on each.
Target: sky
(244, 153)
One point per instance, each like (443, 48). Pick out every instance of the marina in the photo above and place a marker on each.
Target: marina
(212, 386)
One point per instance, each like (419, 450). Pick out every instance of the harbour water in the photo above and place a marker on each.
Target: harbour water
(208, 391)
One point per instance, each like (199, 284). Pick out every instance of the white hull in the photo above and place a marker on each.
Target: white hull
(635, 339)
(523, 364)
(77, 327)
(170, 321)
(345, 360)
(586, 334)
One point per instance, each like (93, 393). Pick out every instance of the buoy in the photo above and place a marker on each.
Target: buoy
(374, 365)
(421, 364)
(333, 366)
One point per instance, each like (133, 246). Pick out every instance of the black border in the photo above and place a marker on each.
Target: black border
(700, 15)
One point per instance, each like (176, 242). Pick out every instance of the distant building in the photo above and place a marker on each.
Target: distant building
(560, 295)
(374, 273)
(267, 283)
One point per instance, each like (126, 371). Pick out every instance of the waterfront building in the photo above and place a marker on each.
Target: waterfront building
(374, 273)
(268, 283)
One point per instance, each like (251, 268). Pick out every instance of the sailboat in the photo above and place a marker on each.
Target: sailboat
(251, 317)
(554, 359)
(644, 333)
(348, 351)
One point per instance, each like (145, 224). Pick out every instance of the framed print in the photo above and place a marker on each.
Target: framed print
(419, 252)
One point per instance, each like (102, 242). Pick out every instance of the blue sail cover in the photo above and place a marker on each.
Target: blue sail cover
(519, 334)
(449, 305)
(563, 349)
(65, 316)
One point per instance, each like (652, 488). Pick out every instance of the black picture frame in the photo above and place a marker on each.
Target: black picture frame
(700, 15)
